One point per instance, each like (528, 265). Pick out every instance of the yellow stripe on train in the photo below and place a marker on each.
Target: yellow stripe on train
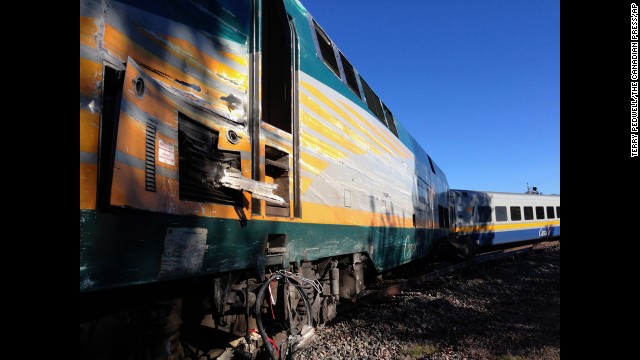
(503, 227)
(345, 116)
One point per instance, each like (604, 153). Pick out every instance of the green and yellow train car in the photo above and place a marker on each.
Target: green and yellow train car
(222, 141)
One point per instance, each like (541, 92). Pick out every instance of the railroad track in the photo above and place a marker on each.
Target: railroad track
(402, 285)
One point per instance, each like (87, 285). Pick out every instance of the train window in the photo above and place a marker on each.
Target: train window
(558, 211)
(516, 213)
(550, 214)
(484, 213)
(539, 212)
(390, 120)
(350, 74)
(501, 213)
(326, 49)
(528, 213)
(373, 101)
(431, 163)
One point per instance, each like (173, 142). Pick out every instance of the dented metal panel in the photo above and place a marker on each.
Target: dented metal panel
(167, 110)
(357, 181)
(198, 48)
(193, 58)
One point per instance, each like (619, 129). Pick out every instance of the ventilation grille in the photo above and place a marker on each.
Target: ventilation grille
(150, 158)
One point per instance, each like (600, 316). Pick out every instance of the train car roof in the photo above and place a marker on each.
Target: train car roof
(503, 194)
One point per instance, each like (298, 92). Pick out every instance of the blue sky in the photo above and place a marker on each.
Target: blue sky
(477, 83)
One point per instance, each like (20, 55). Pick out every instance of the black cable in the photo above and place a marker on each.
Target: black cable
(259, 300)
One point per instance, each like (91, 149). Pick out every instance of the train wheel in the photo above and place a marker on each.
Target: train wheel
(283, 316)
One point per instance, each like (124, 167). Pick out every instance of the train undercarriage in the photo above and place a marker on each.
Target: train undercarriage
(236, 315)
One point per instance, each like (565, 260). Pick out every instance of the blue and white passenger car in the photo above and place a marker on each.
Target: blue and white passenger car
(493, 218)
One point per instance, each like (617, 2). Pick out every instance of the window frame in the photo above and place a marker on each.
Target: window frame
(528, 215)
(375, 104)
(377, 110)
(502, 211)
(315, 30)
(517, 211)
(391, 121)
(345, 80)
(550, 210)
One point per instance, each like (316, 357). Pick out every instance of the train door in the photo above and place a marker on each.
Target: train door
(275, 139)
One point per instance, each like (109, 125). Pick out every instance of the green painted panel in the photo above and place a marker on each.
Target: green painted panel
(126, 247)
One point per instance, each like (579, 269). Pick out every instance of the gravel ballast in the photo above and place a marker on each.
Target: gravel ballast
(508, 310)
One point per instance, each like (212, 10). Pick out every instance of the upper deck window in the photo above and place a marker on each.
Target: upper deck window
(558, 211)
(326, 49)
(341, 67)
(539, 212)
(350, 74)
(390, 120)
(433, 170)
(373, 101)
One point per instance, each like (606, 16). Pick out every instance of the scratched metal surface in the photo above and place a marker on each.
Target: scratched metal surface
(360, 184)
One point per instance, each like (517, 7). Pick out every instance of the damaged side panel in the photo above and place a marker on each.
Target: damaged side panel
(199, 49)
(155, 124)
(184, 64)
(202, 163)
(209, 174)
(233, 179)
